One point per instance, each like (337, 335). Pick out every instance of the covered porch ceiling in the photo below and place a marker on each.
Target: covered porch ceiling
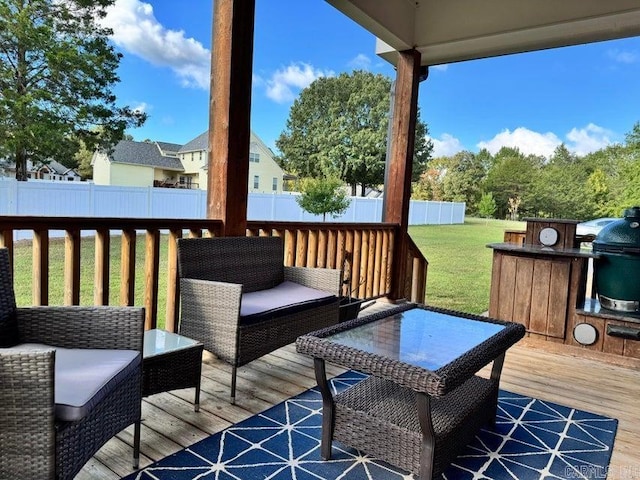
(446, 31)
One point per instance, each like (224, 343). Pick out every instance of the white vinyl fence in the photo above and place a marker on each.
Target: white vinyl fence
(82, 199)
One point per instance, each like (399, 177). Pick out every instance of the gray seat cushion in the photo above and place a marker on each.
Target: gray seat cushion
(283, 299)
(83, 377)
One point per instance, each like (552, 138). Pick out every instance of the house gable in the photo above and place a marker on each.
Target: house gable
(264, 172)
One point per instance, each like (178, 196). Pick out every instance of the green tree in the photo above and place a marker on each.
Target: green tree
(487, 205)
(338, 127)
(511, 177)
(57, 70)
(322, 196)
(464, 174)
(560, 189)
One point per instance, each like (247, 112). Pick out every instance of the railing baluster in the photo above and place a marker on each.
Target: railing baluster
(173, 286)
(72, 267)
(321, 260)
(128, 267)
(312, 249)
(290, 248)
(151, 263)
(382, 282)
(101, 274)
(40, 270)
(377, 263)
(390, 260)
(355, 269)
(332, 238)
(301, 248)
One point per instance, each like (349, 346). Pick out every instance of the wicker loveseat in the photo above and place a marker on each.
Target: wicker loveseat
(241, 302)
(70, 379)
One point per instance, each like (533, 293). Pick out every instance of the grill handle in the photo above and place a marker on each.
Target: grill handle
(621, 331)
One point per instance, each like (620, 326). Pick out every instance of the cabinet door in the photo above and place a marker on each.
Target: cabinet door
(532, 291)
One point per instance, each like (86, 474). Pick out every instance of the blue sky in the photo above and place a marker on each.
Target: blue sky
(585, 96)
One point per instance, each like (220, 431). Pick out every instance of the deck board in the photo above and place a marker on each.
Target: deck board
(169, 422)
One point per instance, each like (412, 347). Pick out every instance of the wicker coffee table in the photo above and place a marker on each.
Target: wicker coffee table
(170, 362)
(422, 403)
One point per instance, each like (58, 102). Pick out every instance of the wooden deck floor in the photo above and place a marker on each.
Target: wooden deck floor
(170, 424)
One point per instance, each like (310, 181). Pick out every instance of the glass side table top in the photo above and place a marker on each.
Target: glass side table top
(159, 342)
(418, 337)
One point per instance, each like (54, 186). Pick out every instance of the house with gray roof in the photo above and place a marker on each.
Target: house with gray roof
(50, 170)
(139, 164)
(164, 164)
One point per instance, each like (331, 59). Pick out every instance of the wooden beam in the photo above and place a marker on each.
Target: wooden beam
(397, 191)
(229, 114)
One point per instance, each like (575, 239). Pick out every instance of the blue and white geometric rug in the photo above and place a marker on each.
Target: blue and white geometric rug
(532, 439)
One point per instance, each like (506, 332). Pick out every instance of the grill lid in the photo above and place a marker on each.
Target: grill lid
(621, 236)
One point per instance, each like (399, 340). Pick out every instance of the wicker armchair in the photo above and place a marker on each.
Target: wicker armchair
(44, 432)
(241, 302)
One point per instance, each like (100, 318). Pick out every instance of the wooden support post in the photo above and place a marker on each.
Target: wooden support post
(398, 186)
(229, 114)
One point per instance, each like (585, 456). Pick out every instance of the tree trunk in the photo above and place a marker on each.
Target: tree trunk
(363, 190)
(21, 81)
(21, 165)
(353, 189)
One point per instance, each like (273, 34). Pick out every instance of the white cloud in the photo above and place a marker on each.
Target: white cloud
(442, 68)
(137, 31)
(360, 62)
(141, 107)
(281, 85)
(446, 146)
(579, 140)
(622, 56)
(588, 139)
(528, 141)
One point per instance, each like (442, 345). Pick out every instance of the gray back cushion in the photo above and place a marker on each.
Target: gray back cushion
(256, 263)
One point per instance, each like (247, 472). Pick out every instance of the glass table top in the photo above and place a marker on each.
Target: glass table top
(159, 342)
(418, 337)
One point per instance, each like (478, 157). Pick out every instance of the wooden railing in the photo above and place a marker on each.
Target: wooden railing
(104, 233)
(95, 261)
(364, 250)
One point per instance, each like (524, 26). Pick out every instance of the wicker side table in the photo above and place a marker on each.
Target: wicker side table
(170, 362)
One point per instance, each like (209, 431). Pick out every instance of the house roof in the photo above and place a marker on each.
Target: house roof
(201, 142)
(168, 147)
(51, 165)
(451, 31)
(143, 153)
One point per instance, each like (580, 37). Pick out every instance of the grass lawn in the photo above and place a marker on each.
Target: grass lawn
(23, 267)
(459, 274)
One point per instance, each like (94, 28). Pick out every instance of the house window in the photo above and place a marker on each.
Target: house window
(274, 186)
(200, 155)
(256, 181)
(254, 157)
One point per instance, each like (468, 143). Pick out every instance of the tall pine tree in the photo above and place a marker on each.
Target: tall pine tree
(57, 71)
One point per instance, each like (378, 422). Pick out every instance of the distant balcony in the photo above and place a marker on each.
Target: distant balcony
(176, 184)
